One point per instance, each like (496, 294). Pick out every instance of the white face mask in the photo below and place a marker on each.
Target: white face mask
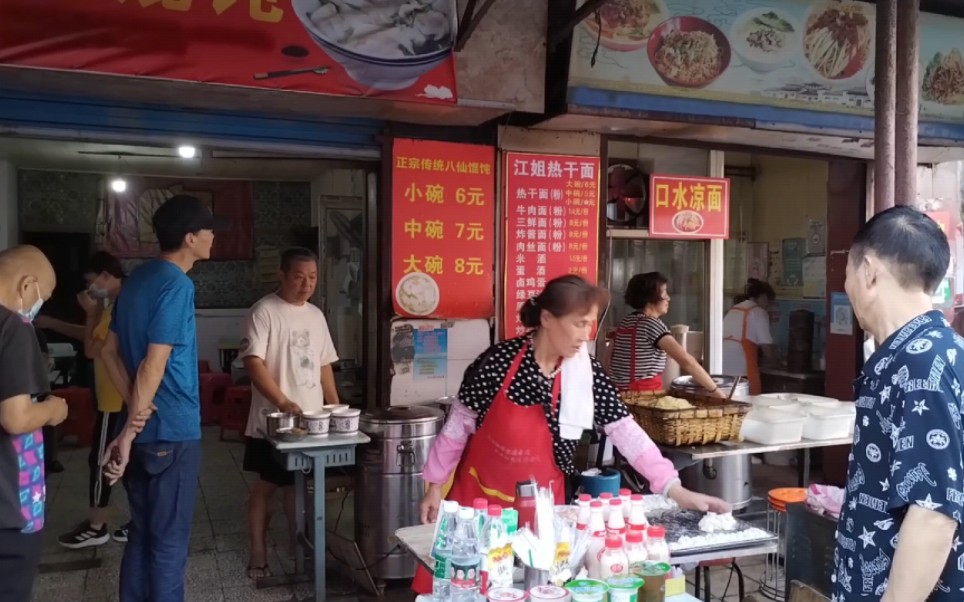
(31, 314)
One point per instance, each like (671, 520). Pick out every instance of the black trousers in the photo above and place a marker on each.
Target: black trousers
(19, 558)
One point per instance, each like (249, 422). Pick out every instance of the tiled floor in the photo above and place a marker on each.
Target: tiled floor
(216, 568)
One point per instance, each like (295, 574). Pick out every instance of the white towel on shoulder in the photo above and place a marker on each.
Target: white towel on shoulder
(576, 403)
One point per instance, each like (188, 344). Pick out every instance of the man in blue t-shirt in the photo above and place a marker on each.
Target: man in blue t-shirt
(152, 352)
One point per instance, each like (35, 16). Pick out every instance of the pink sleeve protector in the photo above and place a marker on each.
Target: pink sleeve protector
(449, 445)
(643, 455)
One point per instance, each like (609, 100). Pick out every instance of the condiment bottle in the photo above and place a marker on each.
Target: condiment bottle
(597, 538)
(635, 550)
(582, 520)
(625, 498)
(616, 527)
(637, 513)
(605, 498)
(656, 548)
(613, 561)
(525, 504)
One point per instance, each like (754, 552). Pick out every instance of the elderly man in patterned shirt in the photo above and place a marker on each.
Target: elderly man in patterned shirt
(898, 538)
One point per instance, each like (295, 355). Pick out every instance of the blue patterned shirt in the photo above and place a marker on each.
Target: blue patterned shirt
(907, 451)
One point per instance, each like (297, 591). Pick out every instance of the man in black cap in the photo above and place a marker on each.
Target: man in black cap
(154, 340)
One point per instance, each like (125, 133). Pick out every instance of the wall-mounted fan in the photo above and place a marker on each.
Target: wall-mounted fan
(628, 196)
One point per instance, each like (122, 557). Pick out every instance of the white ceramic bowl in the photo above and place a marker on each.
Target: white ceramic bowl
(346, 420)
(757, 61)
(373, 72)
(316, 423)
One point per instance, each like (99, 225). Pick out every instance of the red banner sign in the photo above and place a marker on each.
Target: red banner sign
(943, 219)
(552, 225)
(443, 221)
(689, 207)
(330, 47)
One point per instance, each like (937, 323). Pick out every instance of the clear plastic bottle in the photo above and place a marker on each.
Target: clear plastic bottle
(480, 505)
(625, 495)
(616, 526)
(496, 552)
(635, 550)
(465, 558)
(613, 561)
(597, 541)
(442, 550)
(656, 547)
(637, 513)
(582, 519)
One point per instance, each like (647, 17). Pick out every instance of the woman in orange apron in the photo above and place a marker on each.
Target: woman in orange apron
(523, 406)
(746, 330)
(642, 341)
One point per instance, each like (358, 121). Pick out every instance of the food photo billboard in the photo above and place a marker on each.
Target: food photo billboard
(816, 55)
(397, 49)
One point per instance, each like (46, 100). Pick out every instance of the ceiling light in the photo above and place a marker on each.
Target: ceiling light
(186, 151)
(118, 185)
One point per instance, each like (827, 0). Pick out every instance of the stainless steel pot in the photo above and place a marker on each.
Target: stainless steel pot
(688, 385)
(729, 477)
(389, 483)
(279, 420)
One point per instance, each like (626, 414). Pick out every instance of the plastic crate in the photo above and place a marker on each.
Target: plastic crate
(811, 539)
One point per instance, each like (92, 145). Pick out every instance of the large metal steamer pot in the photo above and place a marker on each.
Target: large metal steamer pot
(729, 477)
(389, 484)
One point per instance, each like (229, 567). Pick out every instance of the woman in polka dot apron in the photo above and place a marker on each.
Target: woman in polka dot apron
(522, 409)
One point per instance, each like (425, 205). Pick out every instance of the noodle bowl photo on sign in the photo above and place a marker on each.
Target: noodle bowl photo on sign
(383, 44)
(687, 222)
(688, 52)
(626, 24)
(418, 294)
(838, 42)
(944, 79)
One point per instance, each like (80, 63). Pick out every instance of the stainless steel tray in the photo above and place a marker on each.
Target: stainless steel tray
(681, 523)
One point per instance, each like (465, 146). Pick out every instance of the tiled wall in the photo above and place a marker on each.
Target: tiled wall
(68, 202)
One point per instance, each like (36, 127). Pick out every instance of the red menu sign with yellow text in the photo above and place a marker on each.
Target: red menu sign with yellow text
(552, 225)
(443, 222)
(689, 207)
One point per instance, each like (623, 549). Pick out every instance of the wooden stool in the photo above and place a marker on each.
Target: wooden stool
(234, 415)
(80, 414)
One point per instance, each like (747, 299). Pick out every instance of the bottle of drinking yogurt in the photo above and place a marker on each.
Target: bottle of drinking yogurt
(616, 527)
(635, 551)
(605, 498)
(625, 496)
(656, 547)
(597, 539)
(613, 561)
(582, 520)
(637, 513)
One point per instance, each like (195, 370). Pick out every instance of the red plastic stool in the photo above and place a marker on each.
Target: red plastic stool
(212, 388)
(80, 414)
(237, 404)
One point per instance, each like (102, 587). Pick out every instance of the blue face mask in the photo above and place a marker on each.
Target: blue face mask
(30, 314)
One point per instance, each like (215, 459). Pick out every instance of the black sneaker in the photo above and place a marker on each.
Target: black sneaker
(84, 536)
(120, 534)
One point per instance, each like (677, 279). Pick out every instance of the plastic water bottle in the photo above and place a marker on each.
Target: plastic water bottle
(465, 560)
(496, 552)
(442, 550)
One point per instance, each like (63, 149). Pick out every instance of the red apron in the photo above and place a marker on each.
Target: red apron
(513, 444)
(750, 353)
(653, 383)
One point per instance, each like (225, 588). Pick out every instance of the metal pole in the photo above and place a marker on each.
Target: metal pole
(905, 138)
(885, 95)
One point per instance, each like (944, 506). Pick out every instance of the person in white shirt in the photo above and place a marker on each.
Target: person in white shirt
(746, 330)
(288, 353)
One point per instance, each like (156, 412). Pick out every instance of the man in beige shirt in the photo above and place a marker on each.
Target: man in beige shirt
(288, 353)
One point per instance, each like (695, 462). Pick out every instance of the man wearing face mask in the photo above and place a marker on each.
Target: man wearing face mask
(104, 276)
(26, 280)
